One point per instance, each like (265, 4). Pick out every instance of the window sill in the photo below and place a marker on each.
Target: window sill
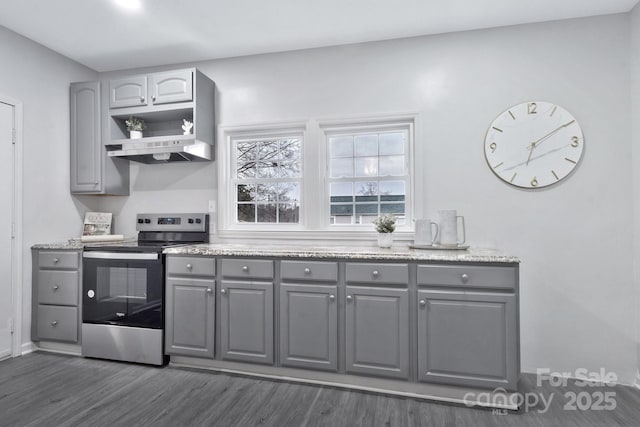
(355, 238)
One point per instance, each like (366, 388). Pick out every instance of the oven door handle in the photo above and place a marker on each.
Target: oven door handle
(120, 255)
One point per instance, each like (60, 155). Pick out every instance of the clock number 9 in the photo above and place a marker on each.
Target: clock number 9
(534, 182)
(493, 147)
(532, 107)
(574, 141)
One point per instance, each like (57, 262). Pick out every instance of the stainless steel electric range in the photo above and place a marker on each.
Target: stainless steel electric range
(123, 289)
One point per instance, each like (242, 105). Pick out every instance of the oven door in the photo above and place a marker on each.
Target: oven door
(123, 288)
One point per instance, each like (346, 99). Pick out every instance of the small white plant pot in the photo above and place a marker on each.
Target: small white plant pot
(186, 132)
(385, 240)
(135, 134)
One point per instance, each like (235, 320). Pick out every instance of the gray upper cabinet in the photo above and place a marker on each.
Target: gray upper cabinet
(172, 86)
(190, 317)
(246, 321)
(377, 331)
(129, 91)
(309, 325)
(91, 170)
(468, 338)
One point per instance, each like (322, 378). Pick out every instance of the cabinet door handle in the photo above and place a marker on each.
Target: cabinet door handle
(423, 303)
(245, 268)
(95, 183)
(464, 277)
(375, 273)
(153, 98)
(332, 297)
(307, 270)
(54, 323)
(349, 297)
(189, 266)
(56, 260)
(55, 288)
(142, 99)
(223, 291)
(209, 290)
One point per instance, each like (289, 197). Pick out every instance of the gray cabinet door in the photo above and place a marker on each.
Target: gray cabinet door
(377, 331)
(246, 323)
(129, 91)
(172, 86)
(86, 155)
(467, 338)
(309, 326)
(190, 317)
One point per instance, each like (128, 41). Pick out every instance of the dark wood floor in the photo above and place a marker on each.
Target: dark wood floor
(42, 389)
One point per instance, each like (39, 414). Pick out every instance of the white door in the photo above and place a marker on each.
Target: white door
(7, 125)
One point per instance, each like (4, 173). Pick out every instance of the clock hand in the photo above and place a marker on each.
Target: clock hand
(534, 158)
(537, 143)
(531, 147)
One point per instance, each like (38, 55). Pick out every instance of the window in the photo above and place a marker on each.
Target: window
(369, 174)
(267, 175)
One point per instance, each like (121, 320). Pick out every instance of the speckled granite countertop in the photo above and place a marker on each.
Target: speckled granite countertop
(72, 245)
(355, 253)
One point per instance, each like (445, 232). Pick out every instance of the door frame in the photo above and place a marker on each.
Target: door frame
(16, 250)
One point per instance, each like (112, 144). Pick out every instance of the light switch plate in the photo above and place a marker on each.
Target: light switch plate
(212, 205)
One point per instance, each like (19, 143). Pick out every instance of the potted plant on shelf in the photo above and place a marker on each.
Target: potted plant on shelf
(385, 226)
(135, 126)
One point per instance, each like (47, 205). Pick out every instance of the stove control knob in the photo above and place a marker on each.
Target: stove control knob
(147, 221)
(190, 220)
(198, 220)
(140, 220)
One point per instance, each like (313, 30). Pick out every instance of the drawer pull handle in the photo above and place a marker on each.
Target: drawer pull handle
(209, 290)
(375, 273)
(153, 98)
(332, 297)
(307, 270)
(223, 291)
(142, 99)
(55, 288)
(189, 266)
(349, 297)
(54, 323)
(464, 277)
(423, 303)
(245, 268)
(56, 260)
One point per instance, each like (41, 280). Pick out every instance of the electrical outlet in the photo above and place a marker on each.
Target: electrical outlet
(212, 205)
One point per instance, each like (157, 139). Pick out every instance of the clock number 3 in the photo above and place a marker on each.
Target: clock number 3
(574, 141)
(493, 147)
(532, 108)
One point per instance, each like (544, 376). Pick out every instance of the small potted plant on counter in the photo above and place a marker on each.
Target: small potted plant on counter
(135, 126)
(385, 226)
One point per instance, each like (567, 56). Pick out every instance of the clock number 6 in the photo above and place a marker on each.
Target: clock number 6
(493, 147)
(532, 107)
(574, 141)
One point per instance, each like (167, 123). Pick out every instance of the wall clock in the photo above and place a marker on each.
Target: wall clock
(534, 144)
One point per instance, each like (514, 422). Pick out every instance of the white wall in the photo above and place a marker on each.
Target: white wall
(635, 133)
(39, 78)
(574, 239)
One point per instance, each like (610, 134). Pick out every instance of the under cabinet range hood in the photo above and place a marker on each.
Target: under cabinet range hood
(161, 150)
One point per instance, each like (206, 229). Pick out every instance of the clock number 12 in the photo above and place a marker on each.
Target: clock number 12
(532, 108)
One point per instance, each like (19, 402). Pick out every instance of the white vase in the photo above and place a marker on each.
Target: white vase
(135, 134)
(385, 240)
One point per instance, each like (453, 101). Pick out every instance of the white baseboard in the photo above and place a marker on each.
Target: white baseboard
(637, 383)
(26, 348)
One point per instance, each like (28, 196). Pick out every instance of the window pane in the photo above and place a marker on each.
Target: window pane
(268, 150)
(391, 191)
(370, 208)
(245, 192)
(392, 208)
(290, 149)
(266, 192)
(366, 166)
(391, 143)
(366, 145)
(366, 188)
(246, 151)
(342, 168)
(341, 189)
(246, 170)
(247, 212)
(267, 169)
(391, 165)
(342, 210)
(341, 146)
(267, 212)
(289, 170)
(289, 212)
(288, 192)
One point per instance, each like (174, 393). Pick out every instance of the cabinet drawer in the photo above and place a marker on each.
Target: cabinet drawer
(58, 287)
(58, 323)
(374, 273)
(249, 268)
(309, 270)
(191, 266)
(468, 276)
(58, 259)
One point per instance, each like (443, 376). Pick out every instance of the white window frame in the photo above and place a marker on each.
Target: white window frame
(228, 180)
(371, 125)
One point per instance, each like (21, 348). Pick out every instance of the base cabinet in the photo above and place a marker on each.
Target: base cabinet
(246, 323)
(190, 317)
(377, 331)
(309, 326)
(467, 338)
